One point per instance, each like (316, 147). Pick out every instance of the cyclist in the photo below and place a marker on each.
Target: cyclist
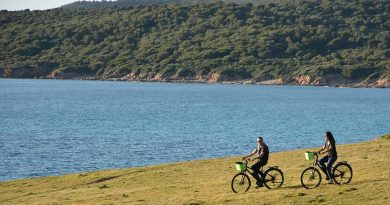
(329, 149)
(262, 157)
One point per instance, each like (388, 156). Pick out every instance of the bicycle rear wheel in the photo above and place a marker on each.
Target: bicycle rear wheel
(273, 178)
(311, 178)
(240, 183)
(342, 173)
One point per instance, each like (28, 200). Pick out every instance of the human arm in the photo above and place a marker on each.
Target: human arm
(323, 147)
(327, 147)
(260, 155)
(249, 155)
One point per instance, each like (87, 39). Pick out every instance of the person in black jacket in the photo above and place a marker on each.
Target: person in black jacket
(329, 149)
(262, 153)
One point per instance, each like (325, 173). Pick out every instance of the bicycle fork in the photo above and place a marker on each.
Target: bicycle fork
(242, 180)
(312, 174)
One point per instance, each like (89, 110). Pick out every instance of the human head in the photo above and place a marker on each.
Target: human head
(260, 140)
(329, 136)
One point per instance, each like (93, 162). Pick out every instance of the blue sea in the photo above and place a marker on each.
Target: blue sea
(54, 127)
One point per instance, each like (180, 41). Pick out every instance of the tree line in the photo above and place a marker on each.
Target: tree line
(349, 39)
(126, 3)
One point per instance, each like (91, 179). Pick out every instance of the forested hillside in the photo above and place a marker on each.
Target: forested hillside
(330, 42)
(126, 3)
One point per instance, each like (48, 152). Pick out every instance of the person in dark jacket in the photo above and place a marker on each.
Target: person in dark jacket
(329, 149)
(262, 154)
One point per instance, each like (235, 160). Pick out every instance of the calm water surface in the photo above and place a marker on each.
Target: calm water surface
(51, 127)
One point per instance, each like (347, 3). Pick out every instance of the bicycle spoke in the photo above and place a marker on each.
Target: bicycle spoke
(342, 173)
(310, 178)
(273, 178)
(240, 183)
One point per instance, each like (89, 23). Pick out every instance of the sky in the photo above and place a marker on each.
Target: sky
(12, 5)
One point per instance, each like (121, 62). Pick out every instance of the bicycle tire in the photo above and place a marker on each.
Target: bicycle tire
(273, 178)
(342, 173)
(240, 183)
(311, 178)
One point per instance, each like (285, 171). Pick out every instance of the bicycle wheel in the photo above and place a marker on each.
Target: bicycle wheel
(311, 178)
(240, 183)
(342, 173)
(273, 178)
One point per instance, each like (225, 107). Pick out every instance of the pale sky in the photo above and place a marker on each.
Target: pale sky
(12, 5)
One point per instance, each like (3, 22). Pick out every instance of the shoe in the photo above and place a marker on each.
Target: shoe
(259, 184)
(327, 178)
(330, 181)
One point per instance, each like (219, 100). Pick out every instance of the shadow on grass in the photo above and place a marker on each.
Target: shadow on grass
(113, 177)
(104, 179)
(192, 202)
(292, 187)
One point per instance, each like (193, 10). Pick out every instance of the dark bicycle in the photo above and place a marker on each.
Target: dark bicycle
(311, 176)
(272, 177)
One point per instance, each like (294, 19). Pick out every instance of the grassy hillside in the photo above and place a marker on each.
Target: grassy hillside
(302, 42)
(208, 182)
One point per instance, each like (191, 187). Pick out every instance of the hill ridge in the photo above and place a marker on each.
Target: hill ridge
(128, 3)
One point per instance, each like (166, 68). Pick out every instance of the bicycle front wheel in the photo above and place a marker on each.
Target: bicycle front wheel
(311, 178)
(240, 183)
(273, 178)
(342, 173)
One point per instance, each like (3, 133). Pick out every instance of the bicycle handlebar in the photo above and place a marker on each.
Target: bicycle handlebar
(316, 155)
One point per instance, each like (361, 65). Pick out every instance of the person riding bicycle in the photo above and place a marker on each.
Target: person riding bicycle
(329, 149)
(262, 157)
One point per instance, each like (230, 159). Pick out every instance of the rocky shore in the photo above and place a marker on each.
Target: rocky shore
(331, 80)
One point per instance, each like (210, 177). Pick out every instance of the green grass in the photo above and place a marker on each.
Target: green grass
(208, 182)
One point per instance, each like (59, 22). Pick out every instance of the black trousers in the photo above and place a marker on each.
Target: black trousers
(256, 169)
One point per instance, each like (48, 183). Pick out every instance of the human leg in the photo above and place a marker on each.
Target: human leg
(259, 173)
(256, 171)
(323, 166)
(329, 165)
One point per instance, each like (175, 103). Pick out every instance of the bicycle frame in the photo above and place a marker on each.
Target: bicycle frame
(316, 162)
(251, 172)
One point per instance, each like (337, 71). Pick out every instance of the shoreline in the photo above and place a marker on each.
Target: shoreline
(385, 136)
(274, 82)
